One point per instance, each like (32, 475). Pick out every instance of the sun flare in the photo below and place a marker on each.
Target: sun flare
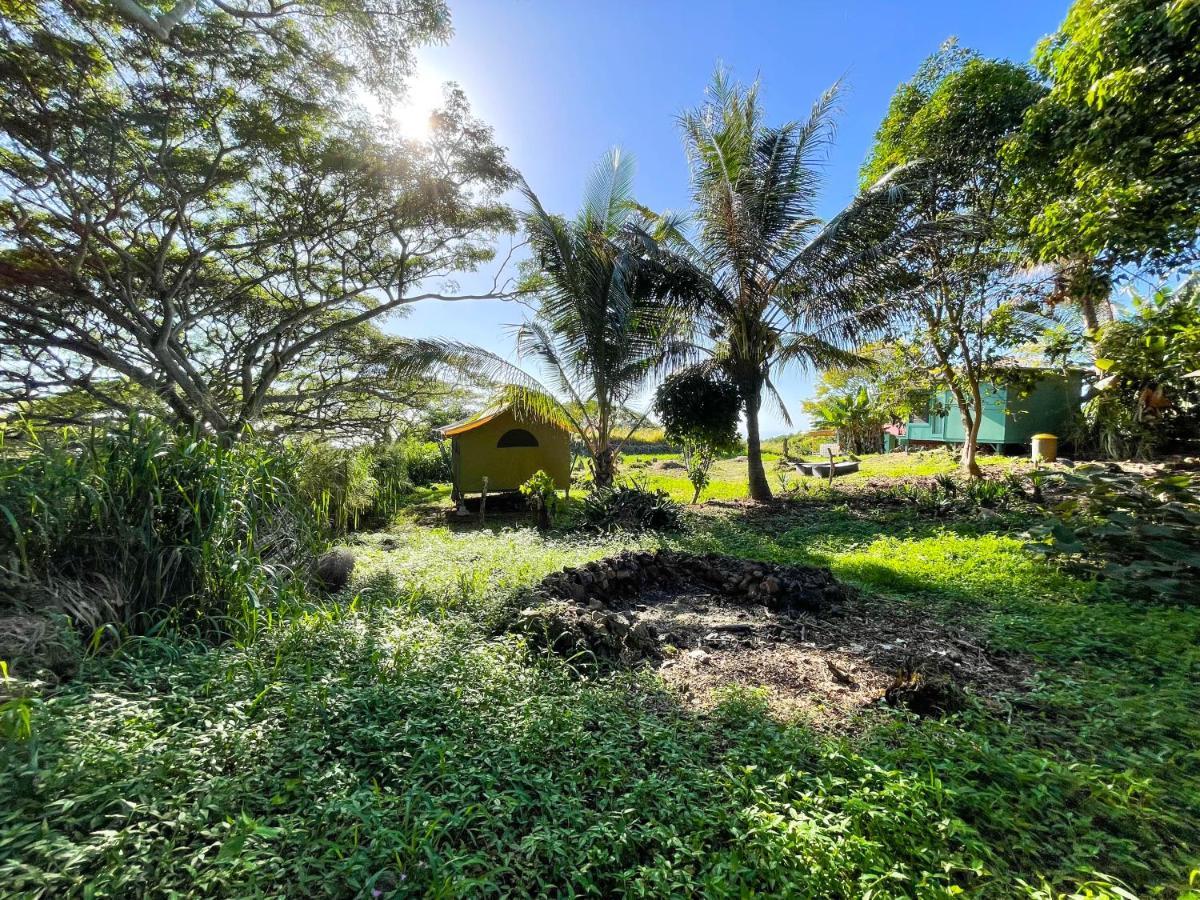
(412, 116)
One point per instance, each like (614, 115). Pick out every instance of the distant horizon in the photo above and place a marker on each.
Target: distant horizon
(528, 72)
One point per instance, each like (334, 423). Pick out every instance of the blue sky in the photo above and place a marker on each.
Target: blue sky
(561, 81)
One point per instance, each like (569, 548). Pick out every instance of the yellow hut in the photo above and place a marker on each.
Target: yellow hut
(506, 449)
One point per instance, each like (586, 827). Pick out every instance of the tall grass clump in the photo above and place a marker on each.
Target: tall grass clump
(355, 488)
(338, 485)
(145, 526)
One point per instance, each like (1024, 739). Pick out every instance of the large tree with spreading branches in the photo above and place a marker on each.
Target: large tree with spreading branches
(201, 223)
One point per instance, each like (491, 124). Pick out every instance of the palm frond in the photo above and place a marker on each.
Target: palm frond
(810, 351)
(777, 401)
(609, 194)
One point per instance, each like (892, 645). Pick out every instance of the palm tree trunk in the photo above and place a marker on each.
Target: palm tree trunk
(1086, 291)
(1091, 319)
(602, 467)
(760, 490)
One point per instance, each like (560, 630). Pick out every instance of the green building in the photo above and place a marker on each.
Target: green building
(1032, 403)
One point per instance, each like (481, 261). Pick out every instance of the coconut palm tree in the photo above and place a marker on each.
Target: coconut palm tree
(773, 284)
(606, 319)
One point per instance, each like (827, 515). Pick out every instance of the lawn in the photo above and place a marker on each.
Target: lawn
(397, 740)
(664, 471)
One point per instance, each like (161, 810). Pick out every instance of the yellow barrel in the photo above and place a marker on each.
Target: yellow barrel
(1045, 447)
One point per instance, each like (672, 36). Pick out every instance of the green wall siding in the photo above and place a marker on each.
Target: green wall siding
(1049, 407)
(1010, 415)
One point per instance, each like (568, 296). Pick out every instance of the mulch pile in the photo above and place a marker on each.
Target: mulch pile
(814, 647)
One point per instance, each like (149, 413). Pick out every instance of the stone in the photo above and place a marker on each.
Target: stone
(333, 569)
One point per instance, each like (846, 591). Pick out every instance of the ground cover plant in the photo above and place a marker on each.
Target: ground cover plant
(397, 739)
(254, 644)
(1142, 535)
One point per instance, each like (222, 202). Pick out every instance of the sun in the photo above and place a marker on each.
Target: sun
(412, 117)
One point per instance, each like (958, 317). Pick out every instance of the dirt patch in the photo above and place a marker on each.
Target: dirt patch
(710, 623)
(668, 465)
(797, 681)
(824, 668)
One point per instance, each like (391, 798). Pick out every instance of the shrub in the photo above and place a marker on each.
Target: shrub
(699, 409)
(427, 462)
(144, 525)
(1142, 534)
(631, 506)
(1149, 400)
(542, 495)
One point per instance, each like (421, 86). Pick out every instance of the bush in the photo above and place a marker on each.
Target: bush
(541, 494)
(427, 462)
(144, 525)
(351, 488)
(631, 506)
(1141, 534)
(1149, 400)
(699, 406)
(699, 409)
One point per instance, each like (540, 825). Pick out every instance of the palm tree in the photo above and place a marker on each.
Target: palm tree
(773, 284)
(605, 320)
(853, 415)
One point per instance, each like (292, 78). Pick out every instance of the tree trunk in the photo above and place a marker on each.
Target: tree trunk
(602, 467)
(1091, 319)
(760, 489)
(1087, 288)
(971, 422)
(969, 449)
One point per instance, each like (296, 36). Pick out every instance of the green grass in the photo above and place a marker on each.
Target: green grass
(400, 742)
(729, 475)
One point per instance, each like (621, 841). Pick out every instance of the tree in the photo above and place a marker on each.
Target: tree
(1107, 163)
(375, 41)
(209, 220)
(605, 321)
(1149, 397)
(853, 415)
(699, 409)
(772, 284)
(970, 298)
(858, 402)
